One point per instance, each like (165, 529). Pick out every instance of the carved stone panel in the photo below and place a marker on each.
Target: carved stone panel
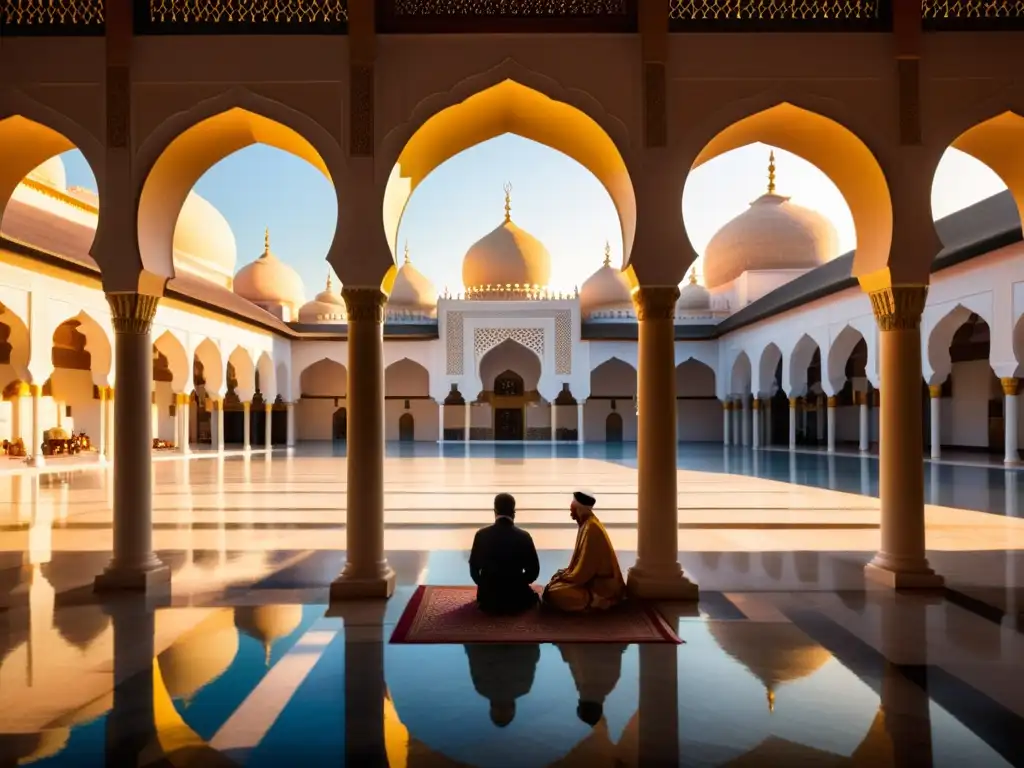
(454, 343)
(563, 342)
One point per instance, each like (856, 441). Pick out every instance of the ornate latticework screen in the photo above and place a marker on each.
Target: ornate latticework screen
(242, 16)
(973, 14)
(753, 15)
(425, 16)
(51, 17)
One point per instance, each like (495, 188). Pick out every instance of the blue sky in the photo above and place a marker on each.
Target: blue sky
(553, 197)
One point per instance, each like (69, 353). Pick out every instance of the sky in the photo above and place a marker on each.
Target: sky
(553, 197)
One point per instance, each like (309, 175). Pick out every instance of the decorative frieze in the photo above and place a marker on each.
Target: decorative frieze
(899, 307)
(132, 312)
(364, 305)
(486, 339)
(655, 302)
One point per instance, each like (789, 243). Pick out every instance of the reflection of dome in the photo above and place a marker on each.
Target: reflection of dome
(51, 173)
(606, 288)
(268, 280)
(203, 240)
(773, 653)
(772, 234)
(81, 626)
(507, 255)
(412, 290)
(268, 623)
(32, 747)
(693, 296)
(327, 306)
(200, 656)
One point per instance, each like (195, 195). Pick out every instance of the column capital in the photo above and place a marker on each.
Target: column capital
(727, 405)
(859, 398)
(832, 401)
(899, 307)
(132, 312)
(1011, 386)
(364, 305)
(935, 391)
(794, 402)
(755, 404)
(35, 390)
(268, 407)
(655, 302)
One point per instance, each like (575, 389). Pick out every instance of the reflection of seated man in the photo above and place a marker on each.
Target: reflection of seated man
(504, 562)
(593, 579)
(502, 674)
(595, 669)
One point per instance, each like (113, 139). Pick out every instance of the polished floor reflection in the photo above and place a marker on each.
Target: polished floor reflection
(788, 660)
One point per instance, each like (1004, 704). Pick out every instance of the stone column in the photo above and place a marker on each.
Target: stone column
(793, 403)
(657, 573)
(831, 404)
(737, 422)
(290, 425)
(1010, 416)
(101, 435)
(819, 422)
(579, 421)
(134, 565)
(745, 424)
(440, 422)
(246, 426)
(468, 417)
(726, 422)
(756, 423)
(219, 404)
(35, 446)
(366, 573)
(184, 406)
(554, 421)
(863, 433)
(935, 403)
(768, 438)
(111, 435)
(901, 562)
(268, 427)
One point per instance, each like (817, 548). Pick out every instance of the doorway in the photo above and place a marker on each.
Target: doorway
(613, 428)
(406, 428)
(339, 429)
(508, 424)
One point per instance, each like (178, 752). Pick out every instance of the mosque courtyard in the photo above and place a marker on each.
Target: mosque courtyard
(788, 659)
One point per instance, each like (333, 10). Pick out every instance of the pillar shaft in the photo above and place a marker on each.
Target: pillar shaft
(901, 561)
(35, 446)
(863, 436)
(657, 573)
(366, 573)
(819, 421)
(737, 420)
(440, 422)
(726, 422)
(268, 426)
(246, 426)
(745, 423)
(1011, 387)
(290, 425)
(794, 403)
(134, 565)
(935, 425)
(111, 435)
(554, 422)
(831, 404)
(756, 423)
(468, 421)
(579, 422)
(186, 424)
(219, 415)
(101, 435)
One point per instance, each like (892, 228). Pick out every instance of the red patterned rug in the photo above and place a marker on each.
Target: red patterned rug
(450, 615)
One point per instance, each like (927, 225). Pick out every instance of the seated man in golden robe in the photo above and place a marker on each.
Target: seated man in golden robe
(593, 580)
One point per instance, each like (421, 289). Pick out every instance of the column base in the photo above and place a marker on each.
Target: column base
(121, 579)
(36, 461)
(379, 587)
(887, 577)
(661, 586)
(1011, 462)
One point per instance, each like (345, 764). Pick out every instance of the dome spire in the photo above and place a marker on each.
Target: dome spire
(508, 201)
(406, 252)
(329, 280)
(693, 275)
(771, 172)
(266, 240)
(607, 253)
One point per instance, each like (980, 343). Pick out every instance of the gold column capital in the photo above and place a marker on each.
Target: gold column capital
(832, 401)
(246, 405)
(1011, 386)
(655, 302)
(110, 393)
(132, 312)
(364, 305)
(794, 402)
(859, 398)
(35, 390)
(727, 405)
(755, 404)
(935, 391)
(899, 307)
(268, 407)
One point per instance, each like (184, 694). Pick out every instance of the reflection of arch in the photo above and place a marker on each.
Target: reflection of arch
(613, 427)
(168, 345)
(406, 428)
(214, 366)
(835, 150)
(739, 378)
(996, 142)
(190, 143)
(339, 424)
(492, 104)
(839, 354)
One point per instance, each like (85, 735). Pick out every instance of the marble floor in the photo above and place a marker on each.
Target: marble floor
(789, 659)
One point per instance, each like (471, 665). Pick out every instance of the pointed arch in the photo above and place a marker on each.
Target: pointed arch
(178, 363)
(613, 378)
(740, 375)
(510, 353)
(996, 142)
(245, 373)
(214, 366)
(17, 343)
(838, 356)
(767, 369)
(799, 360)
(325, 377)
(267, 377)
(97, 344)
(406, 377)
(939, 364)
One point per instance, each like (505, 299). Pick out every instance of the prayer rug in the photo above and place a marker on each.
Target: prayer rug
(450, 615)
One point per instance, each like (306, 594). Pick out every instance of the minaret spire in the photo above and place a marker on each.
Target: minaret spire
(607, 253)
(266, 240)
(328, 279)
(406, 251)
(771, 172)
(508, 201)
(693, 275)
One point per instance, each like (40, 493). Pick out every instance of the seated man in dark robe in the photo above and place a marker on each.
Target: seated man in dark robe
(504, 562)
(501, 674)
(593, 580)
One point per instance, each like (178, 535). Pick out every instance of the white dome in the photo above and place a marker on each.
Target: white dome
(51, 173)
(412, 290)
(606, 288)
(772, 234)
(203, 240)
(693, 296)
(268, 280)
(506, 256)
(326, 307)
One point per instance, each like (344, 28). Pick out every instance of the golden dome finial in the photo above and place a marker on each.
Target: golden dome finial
(771, 700)
(693, 275)
(771, 172)
(607, 253)
(266, 240)
(406, 251)
(329, 284)
(508, 201)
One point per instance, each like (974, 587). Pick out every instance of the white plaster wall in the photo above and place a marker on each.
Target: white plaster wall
(314, 419)
(965, 415)
(75, 388)
(424, 414)
(163, 425)
(595, 414)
